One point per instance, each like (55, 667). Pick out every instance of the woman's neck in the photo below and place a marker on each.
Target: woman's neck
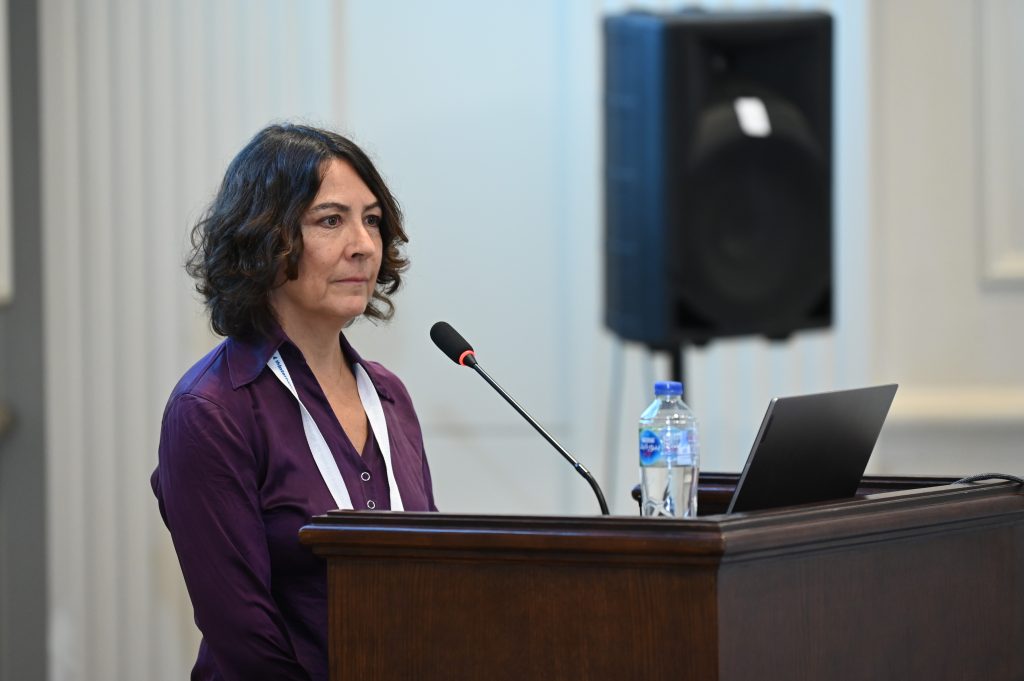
(319, 345)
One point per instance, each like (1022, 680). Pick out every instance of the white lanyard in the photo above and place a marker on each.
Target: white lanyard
(318, 445)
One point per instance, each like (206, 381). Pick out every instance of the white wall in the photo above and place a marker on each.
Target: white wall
(947, 277)
(485, 118)
(479, 101)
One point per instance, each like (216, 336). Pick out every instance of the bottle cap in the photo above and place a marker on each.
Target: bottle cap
(668, 388)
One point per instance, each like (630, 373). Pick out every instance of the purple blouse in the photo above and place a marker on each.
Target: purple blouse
(235, 482)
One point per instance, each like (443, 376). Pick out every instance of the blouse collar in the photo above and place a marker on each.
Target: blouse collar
(248, 357)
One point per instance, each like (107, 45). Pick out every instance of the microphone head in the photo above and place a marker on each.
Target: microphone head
(452, 344)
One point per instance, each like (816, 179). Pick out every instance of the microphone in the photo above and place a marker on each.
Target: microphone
(461, 352)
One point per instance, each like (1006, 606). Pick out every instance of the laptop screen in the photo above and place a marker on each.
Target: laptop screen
(812, 448)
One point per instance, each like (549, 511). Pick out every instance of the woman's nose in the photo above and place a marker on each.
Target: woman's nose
(361, 242)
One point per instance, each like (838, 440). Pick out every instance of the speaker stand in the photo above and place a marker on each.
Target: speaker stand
(678, 357)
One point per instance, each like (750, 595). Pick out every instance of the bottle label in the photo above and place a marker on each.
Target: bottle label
(668, 446)
(650, 447)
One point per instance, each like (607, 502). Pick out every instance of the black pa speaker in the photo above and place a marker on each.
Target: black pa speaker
(718, 175)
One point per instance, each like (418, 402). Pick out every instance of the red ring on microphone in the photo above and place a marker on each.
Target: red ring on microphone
(462, 357)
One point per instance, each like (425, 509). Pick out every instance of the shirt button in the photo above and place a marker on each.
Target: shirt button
(370, 505)
(365, 477)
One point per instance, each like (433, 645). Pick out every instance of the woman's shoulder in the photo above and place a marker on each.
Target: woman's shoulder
(217, 380)
(209, 378)
(207, 429)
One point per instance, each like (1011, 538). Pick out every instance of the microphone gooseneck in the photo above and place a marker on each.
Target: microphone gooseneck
(461, 352)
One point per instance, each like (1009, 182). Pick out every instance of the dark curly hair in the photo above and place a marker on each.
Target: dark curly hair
(251, 231)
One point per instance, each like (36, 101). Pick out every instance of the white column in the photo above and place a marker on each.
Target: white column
(144, 104)
(6, 231)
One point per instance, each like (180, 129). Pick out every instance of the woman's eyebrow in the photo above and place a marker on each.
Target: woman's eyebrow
(341, 207)
(332, 205)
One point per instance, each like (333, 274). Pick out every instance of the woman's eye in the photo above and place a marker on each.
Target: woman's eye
(373, 220)
(331, 221)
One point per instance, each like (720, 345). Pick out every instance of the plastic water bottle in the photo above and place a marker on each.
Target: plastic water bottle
(669, 454)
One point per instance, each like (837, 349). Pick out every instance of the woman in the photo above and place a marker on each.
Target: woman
(283, 420)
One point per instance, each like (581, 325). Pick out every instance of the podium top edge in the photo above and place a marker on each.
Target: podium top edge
(876, 517)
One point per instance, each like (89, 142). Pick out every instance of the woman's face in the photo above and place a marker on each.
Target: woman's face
(341, 253)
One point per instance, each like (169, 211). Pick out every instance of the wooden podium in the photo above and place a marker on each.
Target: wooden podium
(905, 582)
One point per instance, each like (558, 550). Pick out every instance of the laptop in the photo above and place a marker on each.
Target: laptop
(812, 448)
